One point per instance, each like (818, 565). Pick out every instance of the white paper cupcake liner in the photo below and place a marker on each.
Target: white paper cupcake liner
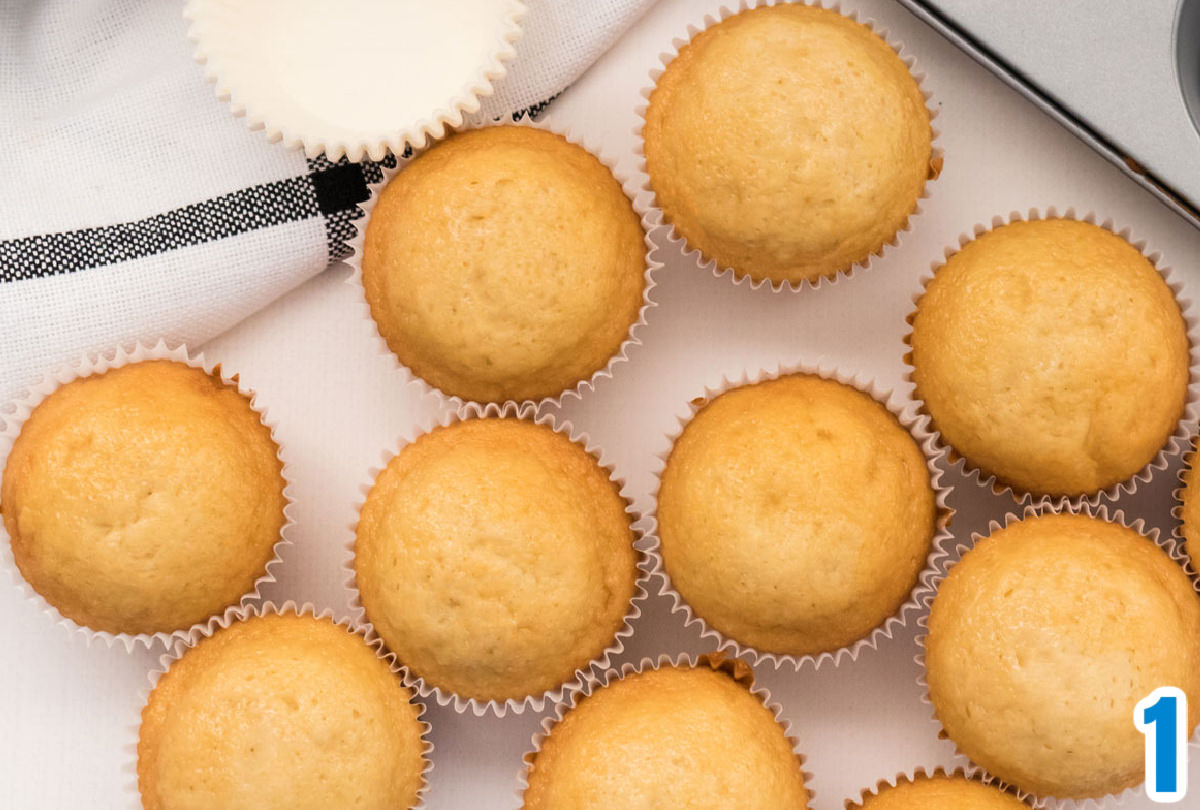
(1189, 460)
(631, 187)
(908, 777)
(1176, 442)
(665, 233)
(91, 364)
(950, 557)
(517, 706)
(253, 80)
(238, 614)
(917, 426)
(738, 670)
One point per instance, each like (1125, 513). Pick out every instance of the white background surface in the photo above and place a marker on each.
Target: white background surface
(67, 711)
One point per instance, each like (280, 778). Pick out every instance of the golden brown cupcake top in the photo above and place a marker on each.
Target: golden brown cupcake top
(495, 558)
(505, 263)
(280, 712)
(144, 499)
(1043, 639)
(1052, 355)
(787, 142)
(940, 792)
(689, 737)
(795, 514)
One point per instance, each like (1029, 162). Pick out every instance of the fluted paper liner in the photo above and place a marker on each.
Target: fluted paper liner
(632, 187)
(669, 235)
(909, 777)
(536, 703)
(92, 364)
(252, 80)
(916, 425)
(739, 670)
(239, 614)
(1175, 443)
(949, 557)
(1189, 460)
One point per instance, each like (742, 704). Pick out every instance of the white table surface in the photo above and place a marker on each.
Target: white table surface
(67, 710)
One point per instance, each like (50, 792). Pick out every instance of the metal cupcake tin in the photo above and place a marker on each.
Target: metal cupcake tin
(1124, 77)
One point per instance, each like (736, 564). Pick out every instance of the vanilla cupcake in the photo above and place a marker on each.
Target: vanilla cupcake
(495, 558)
(280, 711)
(1052, 355)
(676, 736)
(144, 499)
(505, 263)
(795, 515)
(939, 792)
(787, 143)
(1044, 638)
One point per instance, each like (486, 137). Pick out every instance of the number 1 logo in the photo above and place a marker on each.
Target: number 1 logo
(1163, 719)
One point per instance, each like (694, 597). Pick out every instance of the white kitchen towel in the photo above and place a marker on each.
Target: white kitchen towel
(133, 205)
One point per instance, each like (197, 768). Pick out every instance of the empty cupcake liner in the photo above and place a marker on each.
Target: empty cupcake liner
(631, 187)
(669, 235)
(517, 706)
(239, 61)
(917, 426)
(92, 364)
(1176, 442)
(909, 777)
(738, 670)
(180, 646)
(949, 557)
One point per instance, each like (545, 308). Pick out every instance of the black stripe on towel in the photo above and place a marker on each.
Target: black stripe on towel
(218, 218)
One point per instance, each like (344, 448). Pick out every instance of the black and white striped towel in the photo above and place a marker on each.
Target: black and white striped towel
(133, 205)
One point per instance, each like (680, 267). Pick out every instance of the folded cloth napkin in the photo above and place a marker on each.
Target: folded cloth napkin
(133, 205)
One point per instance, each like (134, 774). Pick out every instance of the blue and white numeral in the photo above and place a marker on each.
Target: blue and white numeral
(1163, 719)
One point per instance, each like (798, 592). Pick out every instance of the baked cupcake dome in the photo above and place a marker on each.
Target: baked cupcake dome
(1053, 355)
(676, 736)
(795, 515)
(495, 558)
(940, 792)
(1043, 639)
(505, 263)
(144, 499)
(280, 711)
(787, 143)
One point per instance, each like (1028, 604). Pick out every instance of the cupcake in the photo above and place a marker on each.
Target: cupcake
(495, 558)
(505, 263)
(418, 68)
(143, 499)
(1189, 508)
(1052, 355)
(676, 736)
(939, 792)
(1043, 639)
(280, 711)
(795, 515)
(787, 143)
